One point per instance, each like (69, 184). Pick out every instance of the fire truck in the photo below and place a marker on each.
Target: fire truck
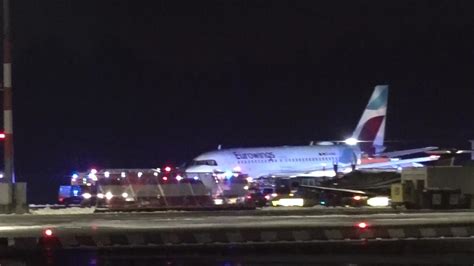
(135, 188)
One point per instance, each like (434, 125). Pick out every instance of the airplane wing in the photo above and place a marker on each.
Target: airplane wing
(392, 154)
(446, 151)
(302, 172)
(394, 163)
(398, 163)
(336, 189)
(297, 173)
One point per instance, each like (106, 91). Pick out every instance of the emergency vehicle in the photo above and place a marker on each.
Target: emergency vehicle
(155, 187)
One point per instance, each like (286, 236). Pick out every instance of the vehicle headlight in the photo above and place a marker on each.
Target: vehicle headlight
(124, 195)
(108, 195)
(218, 201)
(100, 195)
(379, 201)
(288, 202)
(87, 195)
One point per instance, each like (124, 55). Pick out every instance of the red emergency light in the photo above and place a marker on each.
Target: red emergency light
(167, 169)
(48, 232)
(362, 225)
(2, 135)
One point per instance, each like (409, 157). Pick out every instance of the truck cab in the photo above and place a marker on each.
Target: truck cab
(70, 194)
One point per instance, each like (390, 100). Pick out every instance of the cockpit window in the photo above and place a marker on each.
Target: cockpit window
(204, 162)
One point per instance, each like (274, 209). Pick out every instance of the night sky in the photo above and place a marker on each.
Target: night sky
(131, 84)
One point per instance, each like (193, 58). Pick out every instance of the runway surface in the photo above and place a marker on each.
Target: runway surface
(33, 224)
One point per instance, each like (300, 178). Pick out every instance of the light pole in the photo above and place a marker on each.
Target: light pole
(13, 195)
(9, 173)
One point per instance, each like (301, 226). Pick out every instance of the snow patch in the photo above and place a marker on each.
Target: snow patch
(65, 211)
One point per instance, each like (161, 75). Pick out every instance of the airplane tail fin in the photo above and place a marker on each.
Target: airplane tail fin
(371, 127)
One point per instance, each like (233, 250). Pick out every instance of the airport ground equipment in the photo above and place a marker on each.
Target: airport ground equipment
(134, 188)
(354, 189)
(435, 187)
(228, 188)
(144, 189)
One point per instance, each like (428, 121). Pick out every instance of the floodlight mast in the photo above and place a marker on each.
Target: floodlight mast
(9, 173)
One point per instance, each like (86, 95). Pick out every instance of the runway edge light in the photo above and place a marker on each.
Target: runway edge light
(48, 232)
(362, 225)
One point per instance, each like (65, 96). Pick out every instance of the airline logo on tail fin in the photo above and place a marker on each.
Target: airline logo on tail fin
(371, 126)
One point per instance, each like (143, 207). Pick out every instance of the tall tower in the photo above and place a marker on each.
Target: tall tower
(9, 174)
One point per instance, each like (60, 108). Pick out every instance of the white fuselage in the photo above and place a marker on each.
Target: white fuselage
(285, 160)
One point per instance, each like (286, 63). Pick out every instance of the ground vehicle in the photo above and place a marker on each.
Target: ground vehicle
(152, 191)
(234, 190)
(307, 191)
(70, 195)
(121, 188)
(256, 198)
(437, 187)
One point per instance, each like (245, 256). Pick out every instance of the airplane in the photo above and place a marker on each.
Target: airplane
(363, 150)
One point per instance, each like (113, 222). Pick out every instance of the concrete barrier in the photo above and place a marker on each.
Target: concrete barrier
(237, 236)
(13, 198)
